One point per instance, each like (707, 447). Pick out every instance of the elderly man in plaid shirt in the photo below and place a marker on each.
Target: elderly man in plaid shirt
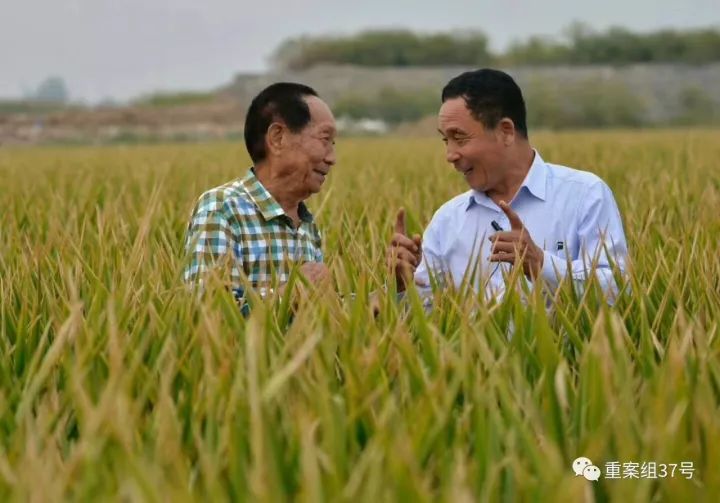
(257, 227)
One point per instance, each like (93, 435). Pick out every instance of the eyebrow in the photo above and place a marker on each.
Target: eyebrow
(452, 131)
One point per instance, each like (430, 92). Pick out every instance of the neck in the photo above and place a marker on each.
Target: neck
(279, 188)
(516, 169)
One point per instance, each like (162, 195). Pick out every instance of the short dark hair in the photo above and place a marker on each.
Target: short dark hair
(282, 101)
(490, 95)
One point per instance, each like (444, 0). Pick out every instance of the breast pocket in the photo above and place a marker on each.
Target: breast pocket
(557, 247)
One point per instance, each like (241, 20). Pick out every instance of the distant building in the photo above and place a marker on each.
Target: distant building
(362, 126)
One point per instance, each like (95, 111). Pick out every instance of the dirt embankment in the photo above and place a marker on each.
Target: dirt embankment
(220, 118)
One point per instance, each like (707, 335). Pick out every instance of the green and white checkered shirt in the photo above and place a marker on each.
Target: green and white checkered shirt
(240, 226)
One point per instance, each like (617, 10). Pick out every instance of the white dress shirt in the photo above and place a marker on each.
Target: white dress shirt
(570, 214)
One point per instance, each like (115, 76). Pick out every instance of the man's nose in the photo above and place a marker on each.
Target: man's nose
(330, 158)
(451, 155)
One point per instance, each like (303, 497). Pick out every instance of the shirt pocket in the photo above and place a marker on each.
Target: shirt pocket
(558, 248)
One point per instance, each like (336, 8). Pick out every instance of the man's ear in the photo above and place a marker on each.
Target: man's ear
(275, 137)
(506, 131)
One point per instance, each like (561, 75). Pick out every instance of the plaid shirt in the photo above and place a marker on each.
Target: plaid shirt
(241, 226)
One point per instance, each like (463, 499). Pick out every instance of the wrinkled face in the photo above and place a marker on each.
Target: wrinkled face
(310, 153)
(476, 153)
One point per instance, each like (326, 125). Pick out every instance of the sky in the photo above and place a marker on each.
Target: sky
(120, 49)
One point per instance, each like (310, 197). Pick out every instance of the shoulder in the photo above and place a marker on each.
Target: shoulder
(575, 178)
(450, 209)
(230, 197)
(575, 184)
(446, 216)
(588, 193)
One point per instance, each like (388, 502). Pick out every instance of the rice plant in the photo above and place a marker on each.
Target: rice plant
(116, 383)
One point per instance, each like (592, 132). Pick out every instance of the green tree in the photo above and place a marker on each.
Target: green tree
(384, 48)
(52, 90)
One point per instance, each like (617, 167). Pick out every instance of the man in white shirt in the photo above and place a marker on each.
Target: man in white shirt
(520, 211)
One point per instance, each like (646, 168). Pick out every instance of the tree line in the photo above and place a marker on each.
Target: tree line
(579, 45)
(582, 104)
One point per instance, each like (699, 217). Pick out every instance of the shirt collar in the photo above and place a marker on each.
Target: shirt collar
(266, 204)
(536, 179)
(535, 182)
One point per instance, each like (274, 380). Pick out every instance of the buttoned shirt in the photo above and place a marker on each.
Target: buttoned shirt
(241, 226)
(570, 214)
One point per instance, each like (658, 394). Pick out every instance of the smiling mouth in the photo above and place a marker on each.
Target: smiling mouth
(467, 171)
(323, 173)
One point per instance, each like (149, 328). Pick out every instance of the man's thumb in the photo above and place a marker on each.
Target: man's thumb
(400, 222)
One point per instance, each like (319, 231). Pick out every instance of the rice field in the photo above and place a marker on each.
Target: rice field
(116, 383)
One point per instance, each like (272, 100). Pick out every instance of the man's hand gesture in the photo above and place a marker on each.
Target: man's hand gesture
(516, 246)
(404, 253)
